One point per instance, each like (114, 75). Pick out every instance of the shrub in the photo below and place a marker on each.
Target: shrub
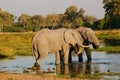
(13, 29)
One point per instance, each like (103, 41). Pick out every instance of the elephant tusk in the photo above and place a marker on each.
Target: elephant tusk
(85, 46)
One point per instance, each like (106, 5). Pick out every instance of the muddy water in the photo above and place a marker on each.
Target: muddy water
(101, 62)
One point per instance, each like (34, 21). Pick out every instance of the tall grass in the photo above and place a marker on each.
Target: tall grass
(15, 44)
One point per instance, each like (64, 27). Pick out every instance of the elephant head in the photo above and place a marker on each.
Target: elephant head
(89, 37)
(72, 37)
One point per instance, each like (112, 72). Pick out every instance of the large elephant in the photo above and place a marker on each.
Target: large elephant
(89, 37)
(55, 41)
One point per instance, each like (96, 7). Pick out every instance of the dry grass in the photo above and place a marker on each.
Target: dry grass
(108, 32)
(4, 52)
(16, 44)
(4, 76)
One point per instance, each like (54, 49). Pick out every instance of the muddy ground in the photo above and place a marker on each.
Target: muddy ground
(4, 76)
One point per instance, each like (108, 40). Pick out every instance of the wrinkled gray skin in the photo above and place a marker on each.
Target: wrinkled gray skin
(55, 41)
(89, 37)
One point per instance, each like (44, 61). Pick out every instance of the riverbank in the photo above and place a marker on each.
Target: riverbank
(4, 76)
(111, 40)
(7, 76)
(99, 76)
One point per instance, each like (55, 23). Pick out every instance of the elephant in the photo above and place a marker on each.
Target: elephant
(55, 41)
(89, 37)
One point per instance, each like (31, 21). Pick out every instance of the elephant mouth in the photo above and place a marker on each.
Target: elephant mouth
(95, 46)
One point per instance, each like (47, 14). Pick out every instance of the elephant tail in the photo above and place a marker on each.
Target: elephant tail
(35, 51)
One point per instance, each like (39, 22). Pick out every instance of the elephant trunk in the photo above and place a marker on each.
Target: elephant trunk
(95, 43)
(95, 46)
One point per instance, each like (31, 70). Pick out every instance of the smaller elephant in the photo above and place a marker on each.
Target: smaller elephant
(55, 41)
(89, 37)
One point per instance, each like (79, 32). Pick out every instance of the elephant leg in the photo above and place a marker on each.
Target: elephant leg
(41, 57)
(70, 58)
(66, 54)
(61, 56)
(66, 69)
(70, 52)
(80, 57)
(88, 67)
(38, 61)
(66, 58)
(58, 69)
(88, 53)
(57, 58)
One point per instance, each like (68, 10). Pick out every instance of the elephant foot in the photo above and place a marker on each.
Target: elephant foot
(36, 66)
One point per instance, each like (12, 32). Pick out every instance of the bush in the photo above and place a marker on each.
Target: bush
(13, 29)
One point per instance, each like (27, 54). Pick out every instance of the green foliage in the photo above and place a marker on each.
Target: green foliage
(112, 14)
(72, 17)
(6, 19)
(24, 20)
(111, 39)
(52, 20)
(37, 21)
(13, 29)
(112, 23)
(112, 7)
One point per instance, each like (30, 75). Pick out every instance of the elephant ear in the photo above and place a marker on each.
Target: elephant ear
(69, 37)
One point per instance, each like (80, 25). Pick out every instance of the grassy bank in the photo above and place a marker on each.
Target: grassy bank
(21, 43)
(15, 44)
(27, 76)
(111, 39)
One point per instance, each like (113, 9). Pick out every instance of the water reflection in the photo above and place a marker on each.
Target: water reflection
(74, 69)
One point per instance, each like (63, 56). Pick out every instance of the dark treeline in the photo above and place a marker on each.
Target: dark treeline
(71, 18)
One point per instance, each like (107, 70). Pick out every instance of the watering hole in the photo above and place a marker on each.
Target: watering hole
(102, 62)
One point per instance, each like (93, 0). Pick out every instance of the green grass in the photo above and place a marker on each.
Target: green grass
(110, 49)
(111, 41)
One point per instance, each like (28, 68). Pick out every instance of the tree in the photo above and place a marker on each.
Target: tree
(112, 7)
(72, 17)
(6, 19)
(37, 21)
(112, 14)
(24, 20)
(52, 20)
(89, 20)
